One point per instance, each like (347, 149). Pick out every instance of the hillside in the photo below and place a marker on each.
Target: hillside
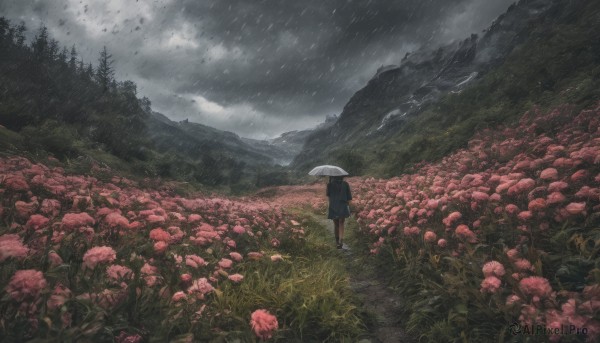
(497, 237)
(538, 52)
(51, 102)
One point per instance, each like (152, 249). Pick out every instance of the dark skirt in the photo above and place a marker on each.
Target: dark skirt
(338, 209)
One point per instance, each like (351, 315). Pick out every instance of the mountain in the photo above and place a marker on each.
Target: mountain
(196, 140)
(288, 145)
(538, 52)
(51, 103)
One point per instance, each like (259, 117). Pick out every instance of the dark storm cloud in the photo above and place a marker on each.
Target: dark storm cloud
(257, 68)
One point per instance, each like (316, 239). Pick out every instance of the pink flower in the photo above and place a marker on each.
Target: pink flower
(493, 268)
(480, 196)
(236, 256)
(159, 234)
(72, 221)
(549, 174)
(523, 265)
(463, 232)
(537, 204)
(522, 186)
(59, 297)
(511, 209)
(97, 255)
(54, 258)
(50, 207)
(176, 234)
(117, 272)
(432, 204)
(114, 219)
(201, 286)
(579, 175)
(178, 296)
(513, 254)
(490, 284)
(276, 257)
(26, 285)
(186, 279)
(429, 237)
(225, 263)
(255, 255)
(194, 261)
(155, 219)
(236, 278)
(451, 218)
(575, 208)
(239, 229)
(511, 299)
(192, 218)
(123, 337)
(411, 231)
(36, 222)
(25, 209)
(525, 215)
(263, 323)
(11, 246)
(557, 186)
(442, 243)
(16, 183)
(535, 286)
(275, 242)
(160, 247)
(148, 269)
(556, 198)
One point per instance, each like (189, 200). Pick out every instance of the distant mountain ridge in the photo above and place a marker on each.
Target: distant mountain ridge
(194, 140)
(375, 124)
(289, 144)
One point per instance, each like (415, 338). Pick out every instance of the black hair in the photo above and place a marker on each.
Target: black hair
(335, 182)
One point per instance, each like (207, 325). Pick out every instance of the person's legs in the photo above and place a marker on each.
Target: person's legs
(336, 228)
(341, 231)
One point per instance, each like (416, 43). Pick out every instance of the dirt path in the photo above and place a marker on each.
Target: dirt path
(377, 299)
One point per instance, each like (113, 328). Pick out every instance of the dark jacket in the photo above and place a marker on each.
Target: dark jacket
(339, 194)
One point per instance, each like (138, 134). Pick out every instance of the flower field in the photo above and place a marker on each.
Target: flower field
(101, 258)
(501, 238)
(504, 232)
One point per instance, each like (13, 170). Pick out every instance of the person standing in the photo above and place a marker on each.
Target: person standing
(340, 196)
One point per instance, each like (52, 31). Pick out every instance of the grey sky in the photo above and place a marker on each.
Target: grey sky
(257, 68)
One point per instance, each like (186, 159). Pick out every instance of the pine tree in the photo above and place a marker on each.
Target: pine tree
(20, 35)
(73, 60)
(4, 29)
(40, 44)
(105, 72)
(89, 72)
(62, 56)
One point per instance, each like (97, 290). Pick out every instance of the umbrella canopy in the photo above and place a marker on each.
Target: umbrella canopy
(327, 170)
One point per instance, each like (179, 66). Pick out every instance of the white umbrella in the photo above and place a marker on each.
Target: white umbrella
(327, 170)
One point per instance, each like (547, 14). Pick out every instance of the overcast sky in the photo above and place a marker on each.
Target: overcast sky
(257, 68)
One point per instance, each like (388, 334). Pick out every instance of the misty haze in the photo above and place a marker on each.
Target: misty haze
(313, 171)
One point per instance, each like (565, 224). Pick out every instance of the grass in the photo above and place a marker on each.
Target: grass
(309, 292)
